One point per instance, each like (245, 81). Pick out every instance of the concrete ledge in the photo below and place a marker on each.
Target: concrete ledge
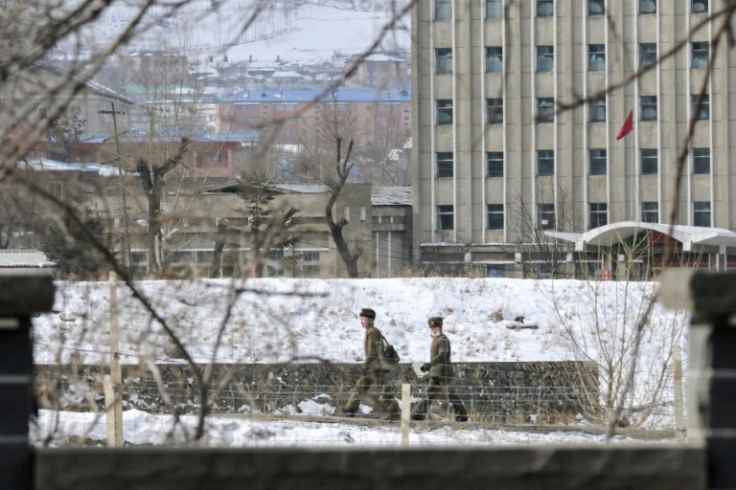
(654, 467)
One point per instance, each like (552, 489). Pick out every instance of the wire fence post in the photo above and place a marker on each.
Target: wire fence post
(680, 430)
(405, 413)
(115, 404)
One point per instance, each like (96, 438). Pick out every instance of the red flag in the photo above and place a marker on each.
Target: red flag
(627, 127)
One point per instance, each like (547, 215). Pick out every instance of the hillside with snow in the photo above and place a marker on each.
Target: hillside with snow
(277, 320)
(288, 30)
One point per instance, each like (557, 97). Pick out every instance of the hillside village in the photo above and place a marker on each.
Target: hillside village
(245, 120)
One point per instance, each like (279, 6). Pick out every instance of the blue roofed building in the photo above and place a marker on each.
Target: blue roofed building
(371, 117)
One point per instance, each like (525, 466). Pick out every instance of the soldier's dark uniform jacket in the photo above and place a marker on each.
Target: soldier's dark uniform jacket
(439, 353)
(440, 375)
(372, 348)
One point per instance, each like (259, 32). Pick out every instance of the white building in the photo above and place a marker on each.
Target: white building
(507, 181)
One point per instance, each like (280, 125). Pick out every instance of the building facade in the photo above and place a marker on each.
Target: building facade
(368, 116)
(499, 164)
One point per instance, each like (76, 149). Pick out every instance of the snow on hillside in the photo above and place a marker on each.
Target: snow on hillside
(281, 319)
(288, 30)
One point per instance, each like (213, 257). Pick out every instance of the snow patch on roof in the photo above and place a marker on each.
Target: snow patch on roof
(391, 195)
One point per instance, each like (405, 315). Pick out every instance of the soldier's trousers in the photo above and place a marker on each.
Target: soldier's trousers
(364, 383)
(440, 388)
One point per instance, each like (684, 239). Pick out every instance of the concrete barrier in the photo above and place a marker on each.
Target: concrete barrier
(508, 468)
(21, 295)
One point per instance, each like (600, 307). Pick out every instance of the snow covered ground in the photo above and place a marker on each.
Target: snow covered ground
(277, 320)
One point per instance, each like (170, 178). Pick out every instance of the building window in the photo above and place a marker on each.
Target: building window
(496, 270)
(597, 110)
(494, 111)
(704, 112)
(598, 214)
(310, 264)
(649, 161)
(545, 162)
(650, 212)
(445, 164)
(545, 8)
(494, 59)
(699, 52)
(545, 216)
(494, 164)
(494, 9)
(443, 60)
(545, 109)
(647, 54)
(596, 57)
(596, 7)
(647, 6)
(445, 217)
(701, 160)
(444, 111)
(545, 58)
(648, 109)
(442, 9)
(495, 216)
(598, 162)
(699, 6)
(701, 213)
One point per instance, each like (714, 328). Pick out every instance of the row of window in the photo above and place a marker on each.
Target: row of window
(597, 162)
(699, 53)
(545, 111)
(597, 215)
(546, 8)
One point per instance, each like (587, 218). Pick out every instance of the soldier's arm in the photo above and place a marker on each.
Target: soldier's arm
(441, 356)
(372, 352)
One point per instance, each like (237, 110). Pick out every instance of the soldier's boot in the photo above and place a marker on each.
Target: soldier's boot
(392, 407)
(351, 407)
(419, 412)
(461, 414)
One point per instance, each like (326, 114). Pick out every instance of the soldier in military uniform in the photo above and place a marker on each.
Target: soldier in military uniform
(440, 372)
(374, 373)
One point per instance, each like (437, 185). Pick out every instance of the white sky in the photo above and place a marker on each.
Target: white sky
(319, 318)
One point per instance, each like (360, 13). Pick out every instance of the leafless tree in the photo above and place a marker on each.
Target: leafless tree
(153, 180)
(343, 166)
(32, 102)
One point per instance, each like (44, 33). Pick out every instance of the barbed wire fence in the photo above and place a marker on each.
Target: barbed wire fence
(266, 406)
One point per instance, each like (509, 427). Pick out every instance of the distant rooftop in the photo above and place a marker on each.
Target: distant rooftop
(340, 94)
(48, 165)
(24, 259)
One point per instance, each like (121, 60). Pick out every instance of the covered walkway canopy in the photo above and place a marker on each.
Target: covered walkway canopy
(693, 238)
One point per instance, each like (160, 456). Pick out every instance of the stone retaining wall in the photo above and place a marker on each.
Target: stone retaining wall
(547, 392)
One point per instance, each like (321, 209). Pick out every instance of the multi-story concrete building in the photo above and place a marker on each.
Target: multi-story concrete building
(504, 178)
(369, 116)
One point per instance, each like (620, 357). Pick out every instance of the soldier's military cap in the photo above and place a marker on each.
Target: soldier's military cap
(435, 321)
(368, 313)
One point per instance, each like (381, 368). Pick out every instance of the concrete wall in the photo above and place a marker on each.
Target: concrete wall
(519, 468)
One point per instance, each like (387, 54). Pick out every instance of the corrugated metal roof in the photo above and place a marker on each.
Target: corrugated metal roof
(46, 164)
(24, 259)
